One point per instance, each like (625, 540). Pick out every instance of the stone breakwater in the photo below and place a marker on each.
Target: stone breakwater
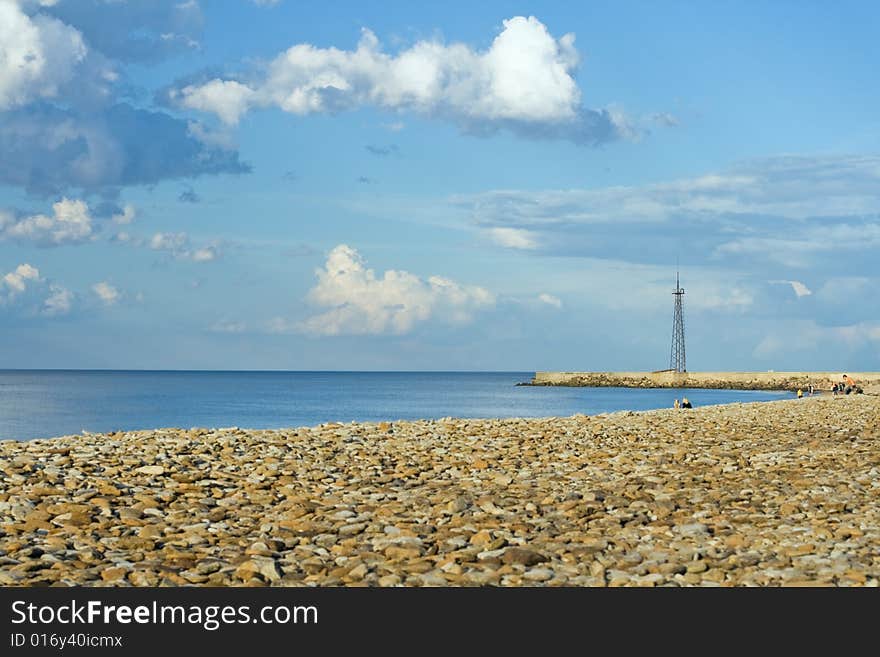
(776, 493)
(870, 381)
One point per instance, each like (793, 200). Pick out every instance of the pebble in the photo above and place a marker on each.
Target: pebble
(762, 494)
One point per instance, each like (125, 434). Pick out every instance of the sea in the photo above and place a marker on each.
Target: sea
(47, 403)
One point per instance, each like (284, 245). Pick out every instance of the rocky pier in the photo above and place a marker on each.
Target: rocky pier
(715, 380)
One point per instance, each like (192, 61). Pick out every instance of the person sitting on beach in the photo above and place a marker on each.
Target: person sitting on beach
(685, 403)
(675, 404)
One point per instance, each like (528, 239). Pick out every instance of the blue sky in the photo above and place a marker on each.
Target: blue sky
(466, 186)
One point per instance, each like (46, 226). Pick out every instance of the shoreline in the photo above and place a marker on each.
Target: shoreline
(778, 493)
(87, 433)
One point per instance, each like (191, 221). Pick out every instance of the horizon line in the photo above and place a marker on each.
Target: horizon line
(256, 371)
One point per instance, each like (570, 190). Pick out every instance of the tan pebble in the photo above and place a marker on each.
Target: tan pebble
(389, 580)
(538, 574)
(112, 574)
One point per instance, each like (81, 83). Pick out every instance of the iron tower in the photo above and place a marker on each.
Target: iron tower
(676, 357)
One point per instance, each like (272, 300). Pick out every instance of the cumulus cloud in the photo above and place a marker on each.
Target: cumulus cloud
(180, 247)
(550, 300)
(108, 294)
(38, 56)
(228, 99)
(16, 281)
(169, 241)
(361, 303)
(25, 280)
(205, 254)
(524, 82)
(70, 223)
(64, 120)
(513, 238)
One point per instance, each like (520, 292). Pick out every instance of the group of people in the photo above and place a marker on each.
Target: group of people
(845, 387)
(685, 403)
(810, 391)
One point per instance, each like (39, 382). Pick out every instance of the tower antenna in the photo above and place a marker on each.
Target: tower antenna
(677, 360)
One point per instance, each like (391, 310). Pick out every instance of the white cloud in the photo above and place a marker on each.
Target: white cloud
(59, 301)
(799, 288)
(513, 238)
(168, 241)
(205, 254)
(524, 82)
(38, 55)
(108, 294)
(550, 300)
(26, 279)
(266, 3)
(70, 223)
(227, 99)
(16, 281)
(362, 303)
(179, 246)
(126, 216)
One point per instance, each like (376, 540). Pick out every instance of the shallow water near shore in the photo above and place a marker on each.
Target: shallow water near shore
(44, 403)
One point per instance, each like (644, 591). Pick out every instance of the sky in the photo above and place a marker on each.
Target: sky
(261, 184)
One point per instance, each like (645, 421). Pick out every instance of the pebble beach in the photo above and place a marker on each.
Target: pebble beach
(783, 493)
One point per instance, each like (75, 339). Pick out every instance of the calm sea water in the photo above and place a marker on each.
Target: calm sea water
(39, 404)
